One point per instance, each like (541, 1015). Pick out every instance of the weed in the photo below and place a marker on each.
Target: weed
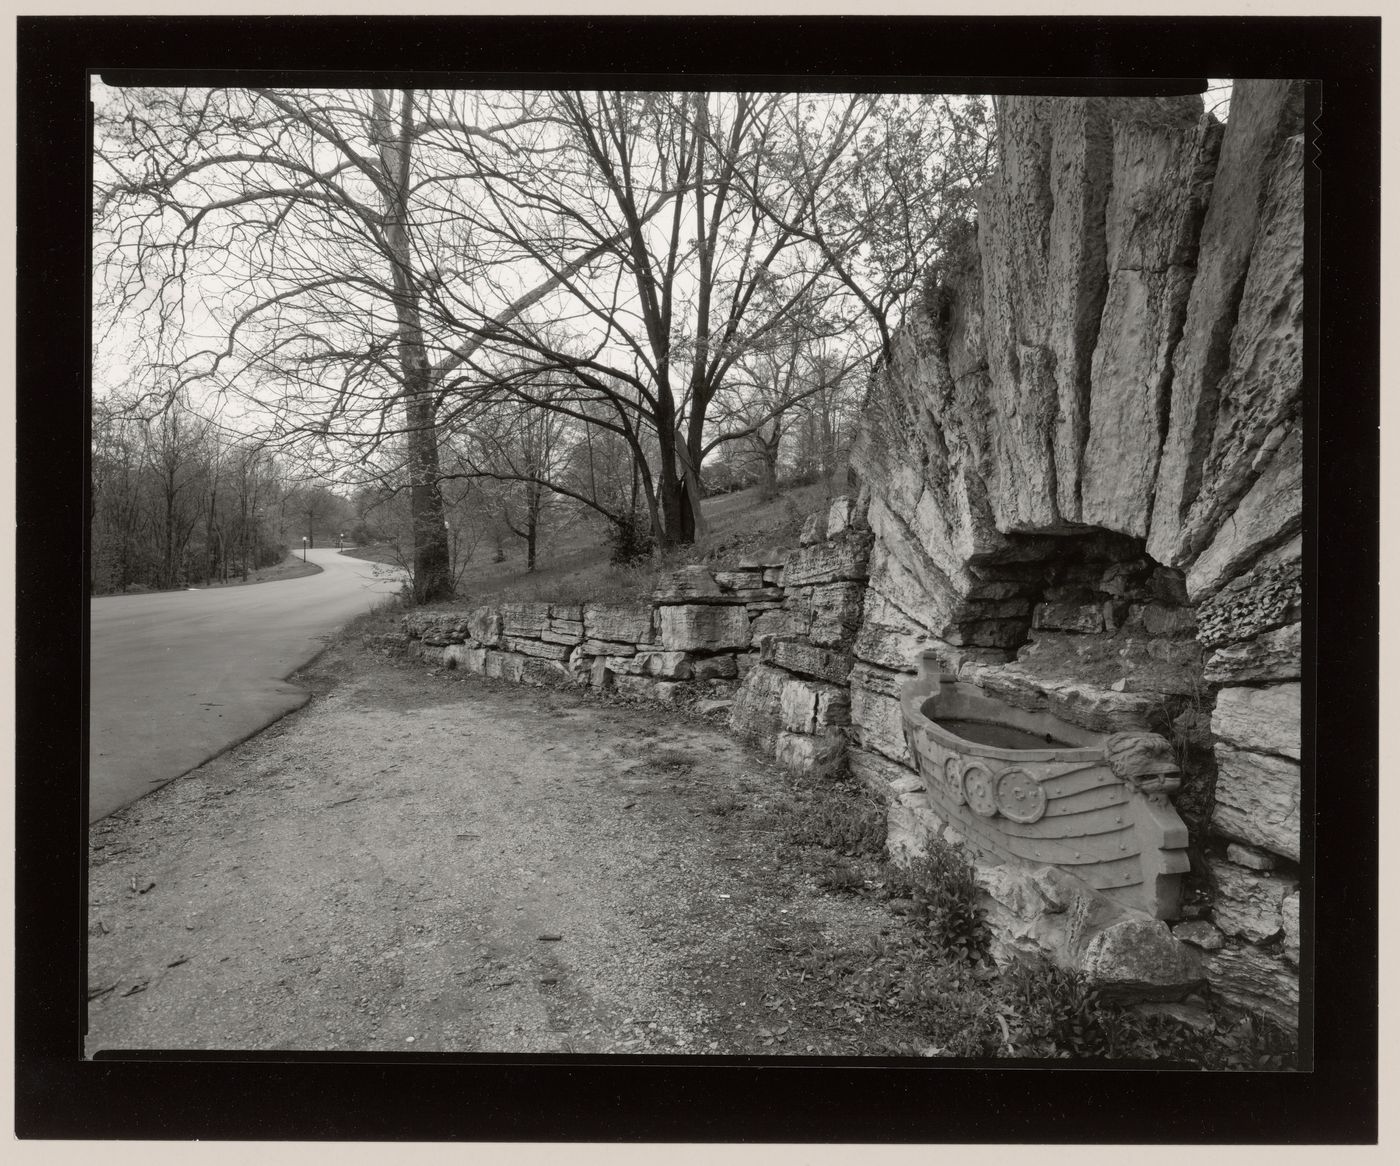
(847, 821)
(945, 896)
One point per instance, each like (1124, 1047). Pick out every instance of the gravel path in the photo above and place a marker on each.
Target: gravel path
(443, 862)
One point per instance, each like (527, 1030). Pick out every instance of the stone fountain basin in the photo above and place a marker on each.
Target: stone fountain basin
(1025, 787)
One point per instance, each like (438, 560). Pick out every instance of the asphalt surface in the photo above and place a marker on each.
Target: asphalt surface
(177, 677)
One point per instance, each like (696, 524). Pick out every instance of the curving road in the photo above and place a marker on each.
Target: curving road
(178, 677)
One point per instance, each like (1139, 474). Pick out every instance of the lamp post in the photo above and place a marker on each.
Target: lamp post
(303, 548)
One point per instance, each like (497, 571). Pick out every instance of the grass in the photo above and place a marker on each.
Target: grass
(574, 568)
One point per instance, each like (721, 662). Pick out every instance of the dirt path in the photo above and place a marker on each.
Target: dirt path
(441, 862)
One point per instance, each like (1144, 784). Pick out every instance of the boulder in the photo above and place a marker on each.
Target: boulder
(704, 627)
(1264, 720)
(1257, 798)
(1139, 958)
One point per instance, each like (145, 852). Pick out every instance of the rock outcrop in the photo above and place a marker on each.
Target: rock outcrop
(1081, 464)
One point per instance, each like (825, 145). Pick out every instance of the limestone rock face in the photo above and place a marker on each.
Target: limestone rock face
(1257, 799)
(1265, 720)
(1254, 979)
(1248, 903)
(1237, 365)
(1273, 655)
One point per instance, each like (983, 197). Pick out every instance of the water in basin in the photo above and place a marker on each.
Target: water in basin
(1000, 736)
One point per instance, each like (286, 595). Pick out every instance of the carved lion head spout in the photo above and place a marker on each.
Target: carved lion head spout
(1144, 760)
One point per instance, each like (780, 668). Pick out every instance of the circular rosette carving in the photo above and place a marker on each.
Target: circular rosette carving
(979, 788)
(952, 777)
(1020, 797)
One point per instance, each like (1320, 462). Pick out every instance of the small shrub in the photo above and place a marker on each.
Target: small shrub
(945, 897)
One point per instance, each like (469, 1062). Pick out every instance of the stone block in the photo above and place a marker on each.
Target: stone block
(627, 623)
(813, 530)
(757, 713)
(827, 563)
(704, 627)
(486, 626)
(879, 724)
(1291, 933)
(809, 660)
(504, 665)
(608, 648)
(467, 659)
(1249, 904)
(761, 598)
(600, 676)
(775, 623)
(1251, 978)
(1264, 720)
(1257, 798)
(557, 634)
(686, 585)
(1139, 958)
(807, 705)
(811, 756)
(714, 668)
(524, 620)
(745, 662)
(536, 648)
(835, 613)
(1272, 655)
(773, 577)
(568, 612)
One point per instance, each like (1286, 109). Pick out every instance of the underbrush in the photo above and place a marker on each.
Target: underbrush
(935, 976)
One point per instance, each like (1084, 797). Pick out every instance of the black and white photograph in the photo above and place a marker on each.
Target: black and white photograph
(765, 569)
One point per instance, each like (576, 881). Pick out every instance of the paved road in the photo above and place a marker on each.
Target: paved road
(178, 677)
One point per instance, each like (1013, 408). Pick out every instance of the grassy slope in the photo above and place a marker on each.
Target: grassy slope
(574, 567)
